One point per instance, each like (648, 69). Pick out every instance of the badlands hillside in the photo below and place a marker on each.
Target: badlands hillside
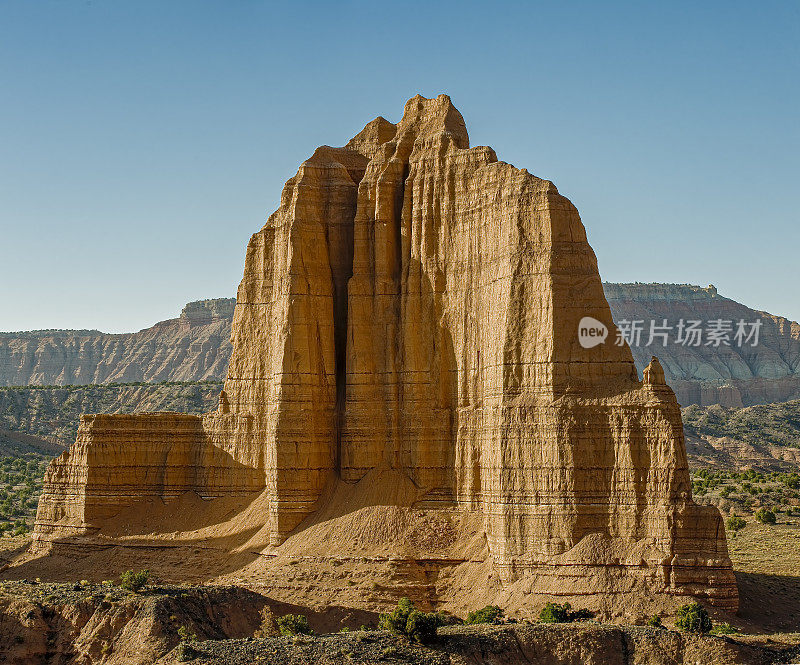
(727, 372)
(193, 347)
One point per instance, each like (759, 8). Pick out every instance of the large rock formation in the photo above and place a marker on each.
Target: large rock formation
(192, 347)
(406, 361)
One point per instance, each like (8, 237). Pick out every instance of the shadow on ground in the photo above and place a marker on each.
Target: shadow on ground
(771, 602)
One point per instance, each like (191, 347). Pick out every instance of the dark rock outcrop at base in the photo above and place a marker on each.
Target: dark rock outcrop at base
(102, 623)
(579, 644)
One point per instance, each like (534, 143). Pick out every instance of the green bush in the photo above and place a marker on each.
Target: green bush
(723, 629)
(735, 523)
(407, 620)
(421, 627)
(693, 618)
(488, 614)
(396, 620)
(293, 624)
(134, 581)
(186, 635)
(765, 516)
(654, 621)
(554, 613)
(558, 613)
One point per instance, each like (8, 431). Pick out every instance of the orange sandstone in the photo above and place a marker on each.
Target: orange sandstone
(406, 360)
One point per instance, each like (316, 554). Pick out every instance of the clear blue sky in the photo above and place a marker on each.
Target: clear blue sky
(143, 142)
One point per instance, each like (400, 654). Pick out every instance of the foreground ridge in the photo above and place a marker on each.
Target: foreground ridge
(407, 382)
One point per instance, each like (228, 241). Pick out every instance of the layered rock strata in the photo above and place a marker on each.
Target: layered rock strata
(192, 347)
(733, 372)
(412, 309)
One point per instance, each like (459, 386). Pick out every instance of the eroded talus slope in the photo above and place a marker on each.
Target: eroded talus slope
(410, 313)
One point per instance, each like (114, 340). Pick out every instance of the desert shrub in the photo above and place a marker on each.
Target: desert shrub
(765, 516)
(735, 523)
(693, 618)
(488, 614)
(396, 620)
(186, 635)
(421, 627)
(654, 621)
(293, 624)
(268, 626)
(723, 629)
(407, 620)
(554, 613)
(558, 613)
(186, 650)
(20, 530)
(134, 581)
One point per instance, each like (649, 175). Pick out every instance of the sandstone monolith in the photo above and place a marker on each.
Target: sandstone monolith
(406, 354)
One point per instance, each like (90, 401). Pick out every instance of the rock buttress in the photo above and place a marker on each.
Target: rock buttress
(411, 312)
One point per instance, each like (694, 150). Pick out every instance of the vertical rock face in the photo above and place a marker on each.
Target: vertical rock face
(413, 306)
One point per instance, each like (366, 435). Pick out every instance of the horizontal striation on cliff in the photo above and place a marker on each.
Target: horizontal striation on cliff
(728, 373)
(193, 347)
(406, 348)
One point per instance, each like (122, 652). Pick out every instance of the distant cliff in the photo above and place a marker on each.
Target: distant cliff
(729, 374)
(193, 347)
(196, 347)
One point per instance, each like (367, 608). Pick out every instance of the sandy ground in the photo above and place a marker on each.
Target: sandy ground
(766, 560)
(767, 564)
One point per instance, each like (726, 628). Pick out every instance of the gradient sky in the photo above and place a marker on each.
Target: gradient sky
(143, 142)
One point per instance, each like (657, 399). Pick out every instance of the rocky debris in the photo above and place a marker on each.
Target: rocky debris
(93, 623)
(88, 623)
(730, 374)
(500, 645)
(406, 367)
(194, 347)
